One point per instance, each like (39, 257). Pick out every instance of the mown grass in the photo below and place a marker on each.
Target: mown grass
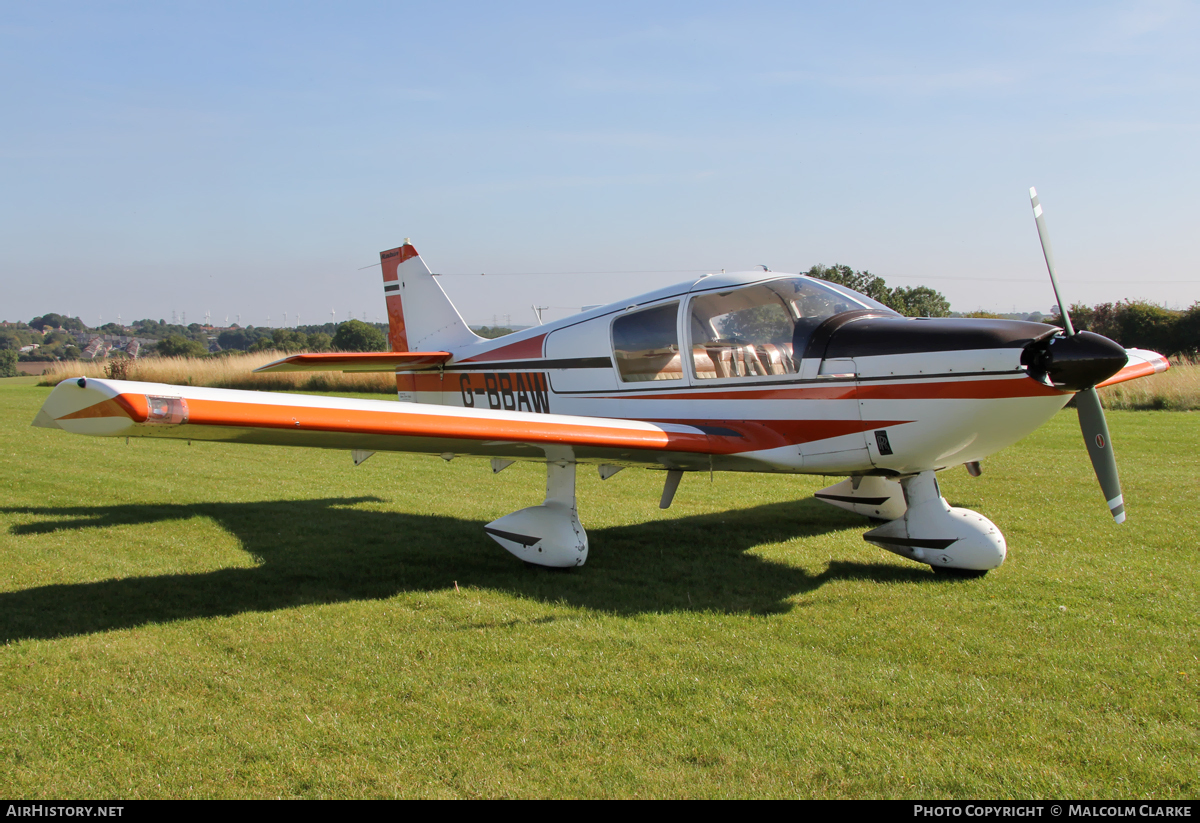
(224, 621)
(229, 371)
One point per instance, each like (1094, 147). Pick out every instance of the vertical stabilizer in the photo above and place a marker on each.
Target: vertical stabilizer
(420, 315)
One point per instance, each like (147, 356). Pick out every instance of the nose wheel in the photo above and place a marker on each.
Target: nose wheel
(951, 540)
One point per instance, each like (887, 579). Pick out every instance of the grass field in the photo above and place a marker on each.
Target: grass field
(223, 621)
(1177, 389)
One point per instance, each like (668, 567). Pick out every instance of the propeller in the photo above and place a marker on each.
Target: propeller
(1087, 401)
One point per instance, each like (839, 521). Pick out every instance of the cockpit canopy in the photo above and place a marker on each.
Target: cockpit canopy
(755, 330)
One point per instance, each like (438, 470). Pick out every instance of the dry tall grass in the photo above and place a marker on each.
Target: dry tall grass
(1177, 389)
(235, 371)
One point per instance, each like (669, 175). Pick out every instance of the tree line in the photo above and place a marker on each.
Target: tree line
(914, 301)
(1133, 324)
(52, 334)
(1136, 324)
(351, 335)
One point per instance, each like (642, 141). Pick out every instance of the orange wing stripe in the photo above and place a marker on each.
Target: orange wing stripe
(133, 406)
(749, 435)
(303, 418)
(1132, 372)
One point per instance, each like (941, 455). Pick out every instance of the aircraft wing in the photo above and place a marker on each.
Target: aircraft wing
(375, 361)
(1141, 363)
(117, 408)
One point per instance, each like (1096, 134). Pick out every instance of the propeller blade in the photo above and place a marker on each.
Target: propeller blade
(1099, 446)
(1087, 401)
(1044, 236)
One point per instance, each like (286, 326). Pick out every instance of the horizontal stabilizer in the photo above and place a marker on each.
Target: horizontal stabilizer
(375, 361)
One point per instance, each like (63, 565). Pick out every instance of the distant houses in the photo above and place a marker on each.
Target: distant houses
(100, 345)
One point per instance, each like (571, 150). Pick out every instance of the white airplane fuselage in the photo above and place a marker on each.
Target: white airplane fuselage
(843, 410)
(747, 371)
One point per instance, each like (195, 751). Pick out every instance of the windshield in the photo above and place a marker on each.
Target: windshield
(762, 329)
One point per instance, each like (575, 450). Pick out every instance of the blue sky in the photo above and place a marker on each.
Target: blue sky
(249, 158)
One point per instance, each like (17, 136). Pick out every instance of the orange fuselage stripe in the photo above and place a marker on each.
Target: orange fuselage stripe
(949, 390)
(773, 434)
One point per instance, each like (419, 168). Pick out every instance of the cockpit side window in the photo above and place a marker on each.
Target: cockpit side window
(646, 344)
(759, 330)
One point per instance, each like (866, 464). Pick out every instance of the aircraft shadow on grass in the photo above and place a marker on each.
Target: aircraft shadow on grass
(327, 551)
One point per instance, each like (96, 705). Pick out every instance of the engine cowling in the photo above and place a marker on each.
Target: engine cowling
(1076, 362)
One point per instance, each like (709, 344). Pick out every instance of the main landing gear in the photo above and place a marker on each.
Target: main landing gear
(921, 525)
(549, 534)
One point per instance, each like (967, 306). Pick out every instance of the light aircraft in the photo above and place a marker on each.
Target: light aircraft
(744, 372)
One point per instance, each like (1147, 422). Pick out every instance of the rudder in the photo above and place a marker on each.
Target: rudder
(431, 323)
(420, 315)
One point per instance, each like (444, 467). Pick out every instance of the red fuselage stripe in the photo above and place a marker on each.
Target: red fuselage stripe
(513, 351)
(988, 389)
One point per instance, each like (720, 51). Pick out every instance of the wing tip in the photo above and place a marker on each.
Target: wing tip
(44, 420)
(274, 365)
